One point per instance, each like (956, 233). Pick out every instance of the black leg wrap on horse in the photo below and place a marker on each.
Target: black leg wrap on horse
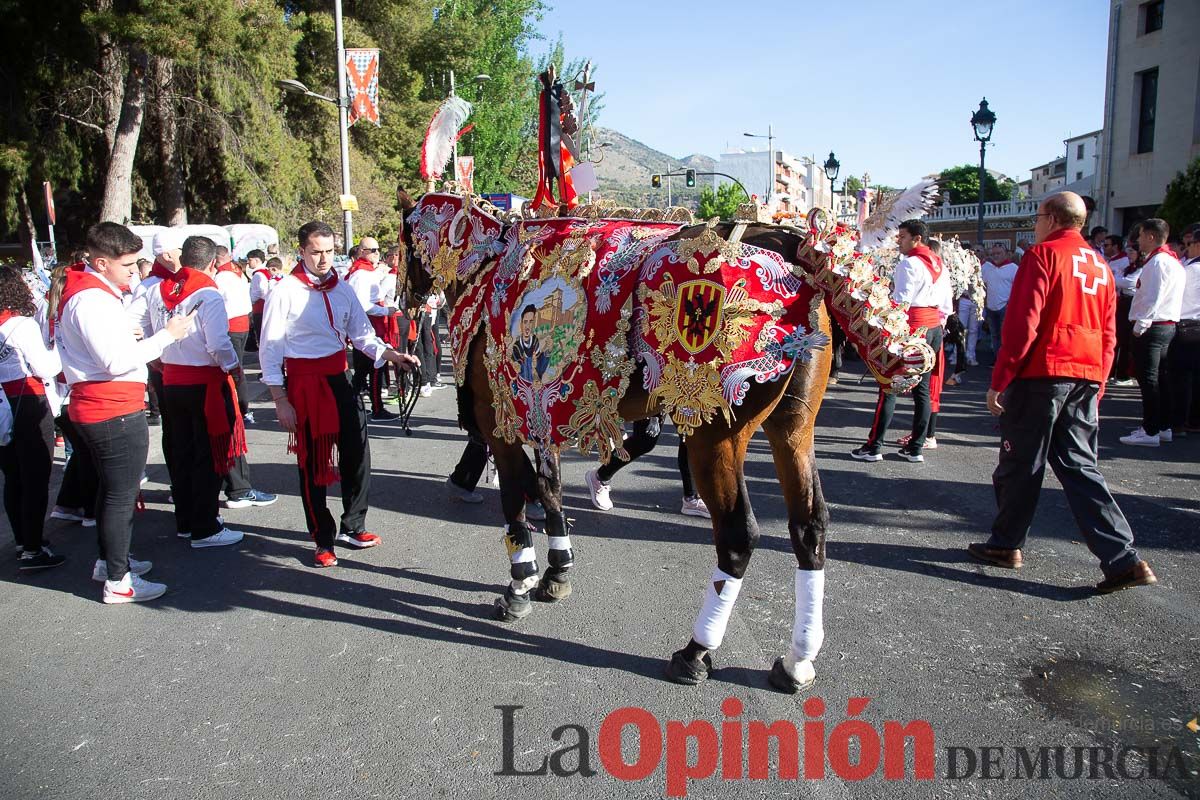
(512, 606)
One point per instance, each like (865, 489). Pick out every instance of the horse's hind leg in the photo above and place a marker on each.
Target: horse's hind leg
(555, 585)
(516, 476)
(789, 430)
(716, 456)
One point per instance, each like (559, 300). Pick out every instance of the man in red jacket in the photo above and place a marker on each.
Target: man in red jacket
(1056, 351)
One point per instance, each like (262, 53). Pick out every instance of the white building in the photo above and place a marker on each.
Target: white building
(1151, 112)
(800, 183)
(1047, 178)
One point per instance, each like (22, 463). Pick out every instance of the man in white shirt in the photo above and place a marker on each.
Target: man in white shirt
(308, 318)
(1118, 264)
(365, 278)
(1155, 311)
(105, 365)
(206, 428)
(998, 274)
(1185, 347)
(921, 282)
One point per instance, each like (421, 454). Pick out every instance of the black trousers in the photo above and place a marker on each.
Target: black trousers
(885, 406)
(1054, 421)
(1150, 362)
(239, 346)
(26, 462)
(354, 463)
(839, 347)
(197, 488)
(427, 349)
(255, 331)
(642, 440)
(155, 384)
(367, 377)
(80, 481)
(119, 447)
(471, 463)
(1184, 359)
(1122, 368)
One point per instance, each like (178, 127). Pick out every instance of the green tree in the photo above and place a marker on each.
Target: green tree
(722, 203)
(962, 183)
(852, 185)
(1181, 205)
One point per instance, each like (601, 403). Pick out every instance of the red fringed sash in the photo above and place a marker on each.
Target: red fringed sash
(227, 442)
(316, 408)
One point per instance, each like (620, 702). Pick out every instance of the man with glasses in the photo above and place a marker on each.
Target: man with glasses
(998, 274)
(1059, 334)
(366, 280)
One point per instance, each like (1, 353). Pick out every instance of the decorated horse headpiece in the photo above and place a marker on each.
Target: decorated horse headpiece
(452, 237)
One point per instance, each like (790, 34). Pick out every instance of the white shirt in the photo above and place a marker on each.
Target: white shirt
(913, 284)
(1126, 284)
(387, 288)
(367, 288)
(1191, 290)
(96, 342)
(1159, 296)
(236, 291)
(207, 342)
(997, 282)
(296, 325)
(23, 352)
(260, 285)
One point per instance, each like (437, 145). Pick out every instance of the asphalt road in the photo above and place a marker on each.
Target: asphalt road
(257, 676)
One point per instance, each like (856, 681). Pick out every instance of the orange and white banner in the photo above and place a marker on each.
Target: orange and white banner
(465, 173)
(362, 84)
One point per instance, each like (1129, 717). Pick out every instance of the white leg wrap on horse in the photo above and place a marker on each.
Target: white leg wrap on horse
(523, 555)
(524, 585)
(719, 598)
(809, 631)
(560, 542)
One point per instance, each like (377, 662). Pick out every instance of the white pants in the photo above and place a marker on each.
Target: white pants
(968, 315)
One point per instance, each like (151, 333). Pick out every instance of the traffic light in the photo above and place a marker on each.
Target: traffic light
(689, 177)
(656, 181)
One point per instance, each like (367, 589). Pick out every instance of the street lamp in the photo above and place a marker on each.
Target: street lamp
(342, 101)
(983, 120)
(770, 137)
(831, 165)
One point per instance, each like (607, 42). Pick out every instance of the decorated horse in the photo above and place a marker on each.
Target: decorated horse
(563, 329)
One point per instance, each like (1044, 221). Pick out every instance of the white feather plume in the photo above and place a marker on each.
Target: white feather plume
(443, 132)
(913, 203)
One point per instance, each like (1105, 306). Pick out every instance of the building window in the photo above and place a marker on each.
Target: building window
(1078, 176)
(1079, 151)
(1152, 16)
(1147, 86)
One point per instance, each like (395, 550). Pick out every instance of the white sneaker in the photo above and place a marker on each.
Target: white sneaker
(598, 489)
(67, 514)
(221, 538)
(456, 492)
(132, 589)
(248, 418)
(427, 390)
(493, 475)
(1141, 439)
(1166, 435)
(139, 568)
(694, 507)
(88, 522)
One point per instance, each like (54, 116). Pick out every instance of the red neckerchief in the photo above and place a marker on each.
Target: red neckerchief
(363, 264)
(1162, 249)
(324, 288)
(229, 266)
(181, 285)
(77, 282)
(160, 270)
(78, 266)
(931, 260)
(264, 271)
(6, 315)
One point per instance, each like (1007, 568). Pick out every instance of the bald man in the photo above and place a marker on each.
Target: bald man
(367, 282)
(1056, 351)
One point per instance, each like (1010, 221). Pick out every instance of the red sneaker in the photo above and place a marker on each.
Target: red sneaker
(360, 540)
(324, 558)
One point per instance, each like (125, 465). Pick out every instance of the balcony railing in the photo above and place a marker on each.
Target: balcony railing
(992, 210)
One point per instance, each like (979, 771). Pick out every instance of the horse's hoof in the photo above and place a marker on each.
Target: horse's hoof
(687, 671)
(780, 679)
(512, 607)
(551, 590)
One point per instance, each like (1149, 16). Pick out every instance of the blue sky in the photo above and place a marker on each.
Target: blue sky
(890, 86)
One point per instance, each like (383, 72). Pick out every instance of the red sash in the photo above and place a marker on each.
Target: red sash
(227, 441)
(258, 306)
(28, 385)
(239, 324)
(316, 409)
(99, 401)
(928, 317)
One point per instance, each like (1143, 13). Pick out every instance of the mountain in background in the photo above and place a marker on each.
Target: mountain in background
(626, 166)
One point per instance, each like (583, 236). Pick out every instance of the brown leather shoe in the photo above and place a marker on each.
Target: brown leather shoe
(1139, 574)
(997, 557)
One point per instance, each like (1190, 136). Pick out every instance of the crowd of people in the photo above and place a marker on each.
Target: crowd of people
(106, 336)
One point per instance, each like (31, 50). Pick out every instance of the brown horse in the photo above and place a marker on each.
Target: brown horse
(449, 251)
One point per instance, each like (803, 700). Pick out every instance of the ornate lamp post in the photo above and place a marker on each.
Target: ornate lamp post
(832, 165)
(983, 120)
